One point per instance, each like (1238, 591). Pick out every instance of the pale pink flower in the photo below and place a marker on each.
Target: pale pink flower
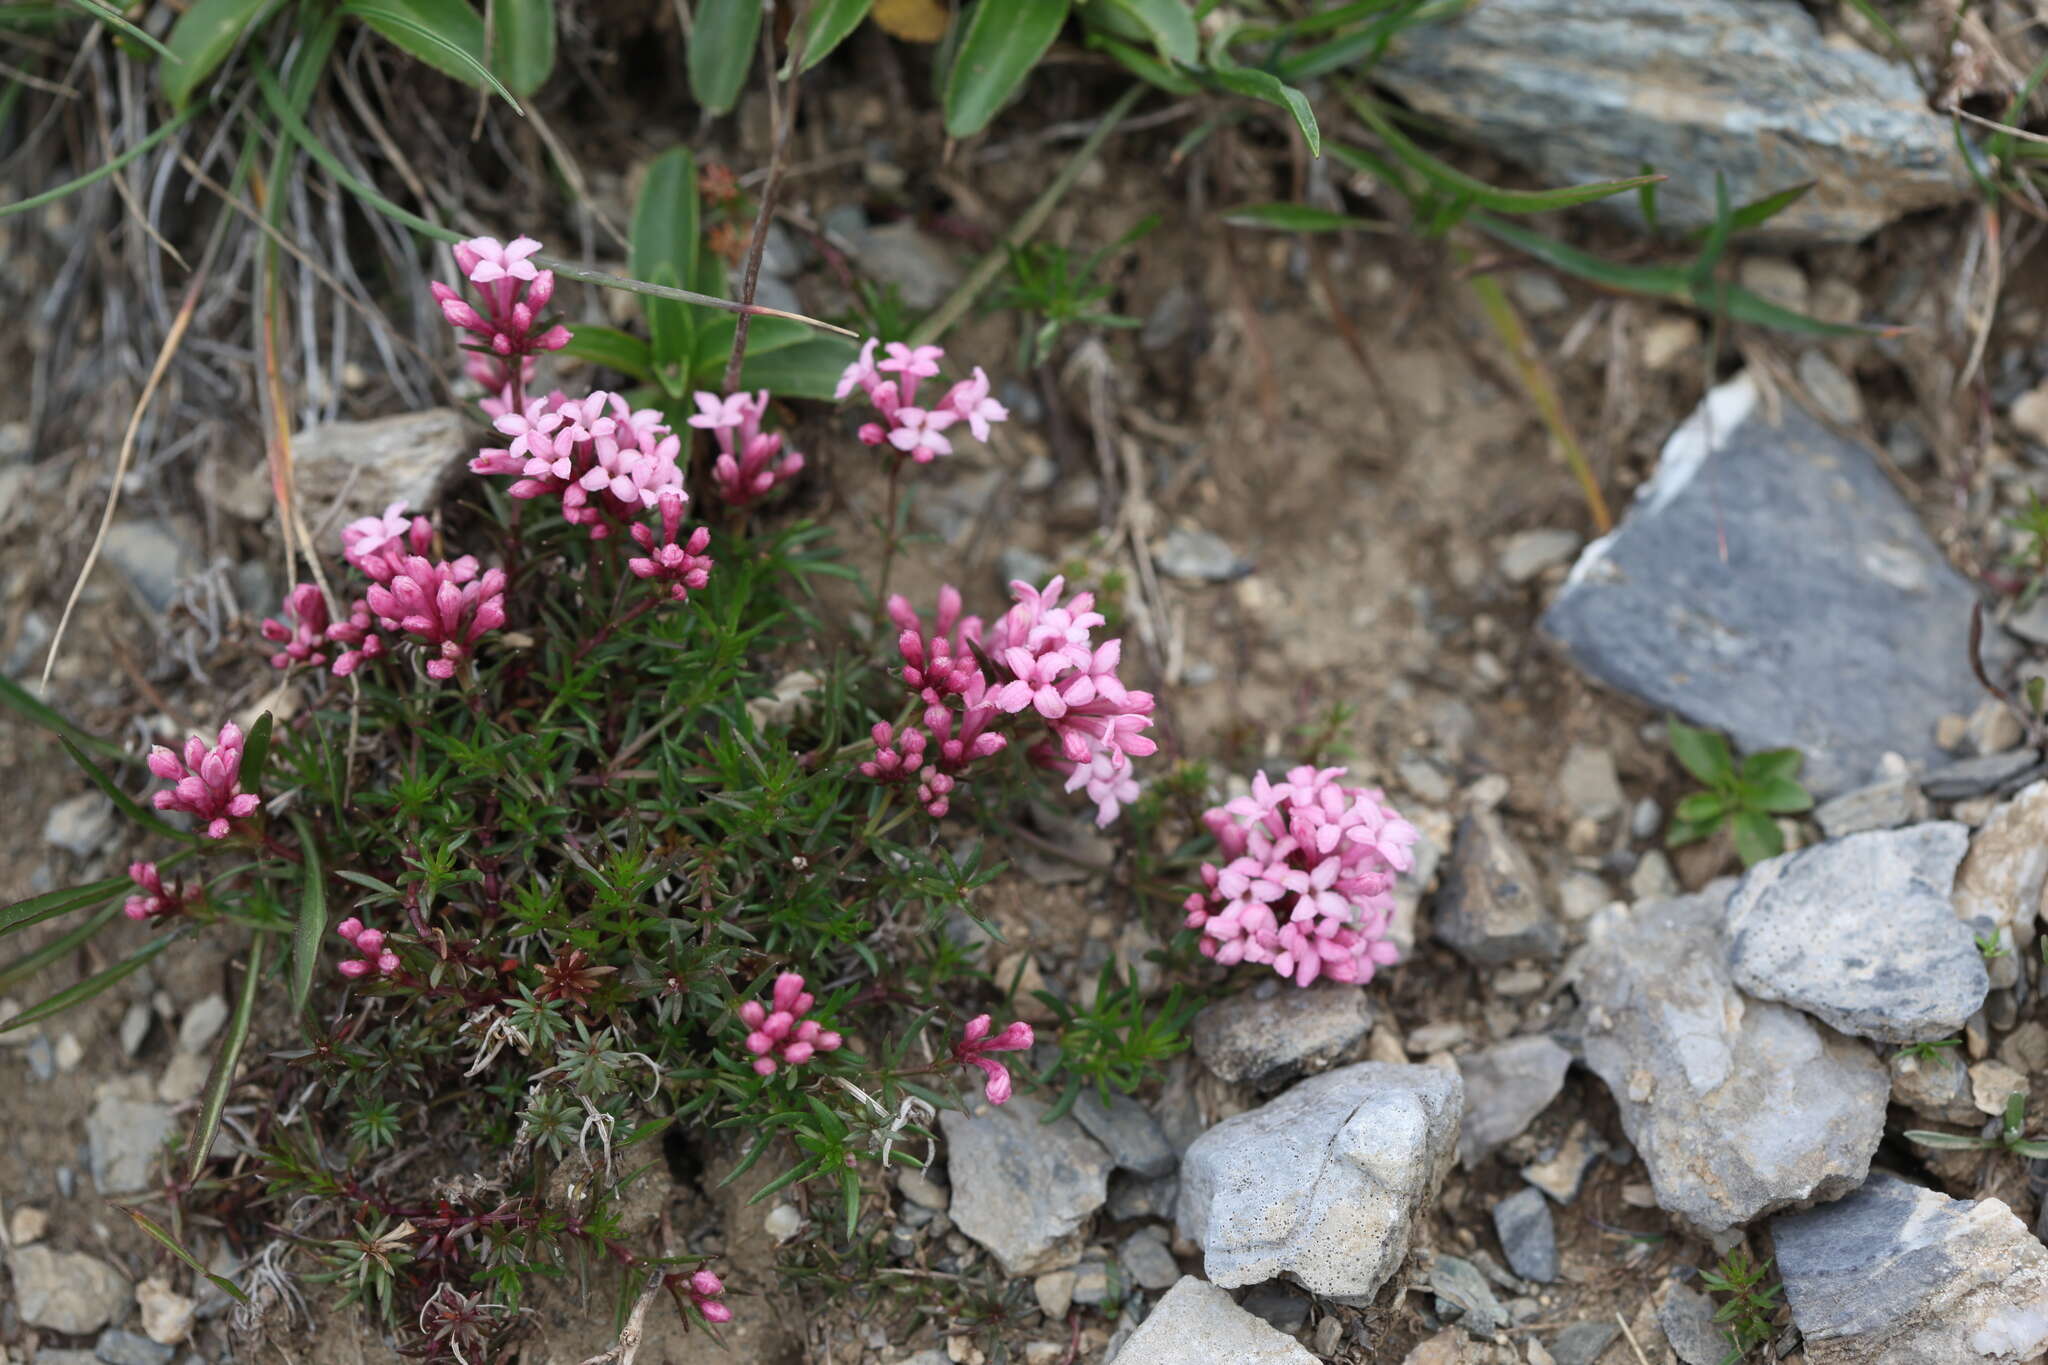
(306, 610)
(374, 959)
(905, 426)
(206, 782)
(975, 1044)
(512, 296)
(751, 463)
(970, 400)
(705, 1289)
(778, 1033)
(153, 899)
(377, 545)
(862, 373)
(445, 607)
(682, 566)
(912, 363)
(607, 462)
(921, 435)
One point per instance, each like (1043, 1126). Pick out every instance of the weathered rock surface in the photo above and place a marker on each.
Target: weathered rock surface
(1581, 90)
(1491, 906)
(346, 470)
(124, 1136)
(1022, 1187)
(1895, 1274)
(1275, 1031)
(65, 1291)
(1999, 887)
(1860, 933)
(1759, 583)
(1528, 1236)
(1894, 799)
(1738, 1107)
(1937, 1086)
(1198, 1322)
(1132, 1136)
(1322, 1184)
(1506, 1087)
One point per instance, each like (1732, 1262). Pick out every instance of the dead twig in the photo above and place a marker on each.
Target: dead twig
(783, 113)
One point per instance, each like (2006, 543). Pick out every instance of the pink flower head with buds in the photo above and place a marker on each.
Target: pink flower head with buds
(305, 637)
(906, 426)
(358, 637)
(207, 781)
(782, 1034)
(1307, 888)
(705, 1289)
(941, 670)
(446, 607)
(751, 462)
(975, 1044)
(511, 296)
(682, 566)
(374, 958)
(379, 545)
(155, 900)
(609, 463)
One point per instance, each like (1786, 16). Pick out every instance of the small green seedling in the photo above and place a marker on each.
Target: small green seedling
(1744, 799)
(1745, 1319)
(1991, 946)
(1048, 284)
(2011, 1134)
(1932, 1050)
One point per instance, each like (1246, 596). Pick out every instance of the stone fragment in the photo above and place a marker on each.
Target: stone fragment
(65, 1291)
(1198, 1322)
(1528, 1236)
(1491, 906)
(124, 1137)
(1022, 1187)
(1131, 1135)
(1506, 1087)
(1275, 1031)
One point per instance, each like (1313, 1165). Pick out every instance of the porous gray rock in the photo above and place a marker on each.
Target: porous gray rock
(1324, 1183)
(1023, 1187)
(1895, 1274)
(123, 1137)
(1506, 1087)
(1131, 1135)
(1860, 933)
(1528, 1236)
(1272, 1033)
(1199, 556)
(1147, 1258)
(1738, 1107)
(1999, 887)
(1491, 906)
(1748, 91)
(65, 1291)
(1894, 799)
(1759, 582)
(1198, 1322)
(1936, 1085)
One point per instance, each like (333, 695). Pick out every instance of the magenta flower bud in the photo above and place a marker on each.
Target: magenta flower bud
(370, 942)
(354, 967)
(349, 928)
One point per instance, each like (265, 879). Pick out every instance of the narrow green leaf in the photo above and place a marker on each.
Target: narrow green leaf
(26, 966)
(1357, 51)
(1170, 26)
(1261, 85)
(445, 34)
(1454, 181)
(1715, 241)
(1000, 41)
(849, 1185)
(523, 43)
(150, 1226)
(1777, 796)
(213, 1100)
(92, 985)
(311, 927)
(17, 698)
(1757, 212)
(723, 36)
(613, 349)
(1953, 1142)
(1143, 64)
(1282, 216)
(202, 39)
(671, 332)
(1757, 837)
(114, 19)
(827, 26)
(51, 904)
(147, 819)
(367, 882)
(1702, 753)
(1884, 27)
(665, 233)
(256, 753)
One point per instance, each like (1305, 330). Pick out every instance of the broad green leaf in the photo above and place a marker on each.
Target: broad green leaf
(147, 819)
(202, 39)
(90, 987)
(1702, 808)
(1143, 64)
(714, 344)
(150, 1226)
(1000, 41)
(213, 1100)
(809, 369)
(671, 329)
(1455, 182)
(256, 753)
(1169, 24)
(1683, 832)
(445, 34)
(1756, 837)
(1260, 85)
(51, 904)
(827, 26)
(1777, 796)
(723, 36)
(1770, 763)
(665, 230)
(1282, 216)
(17, 698)
(613, 349)
(311, 927)
(1702, 753)
(523, 43)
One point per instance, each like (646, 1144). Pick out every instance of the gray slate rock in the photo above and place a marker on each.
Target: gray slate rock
(347, 470)
(1580, 90)
(1528, 1236)
(1861, 934)
(1985, 775)
(1324, 1183)
(1491, 904)
(1199, 556)
(1893, 800)
(1463, 1296)
(1738, 1107)
(65, 1291)
(1895, 1274)
(153, 557)
(1506, 1087)
(1147, 1258)
(1198, 1322)
(1133, 1137)
(1759, 587)
(1274, 1032)
(1582, 1343)
(1687, 1317)
(130, 1348)
(1023, 1187)
(124, 1137)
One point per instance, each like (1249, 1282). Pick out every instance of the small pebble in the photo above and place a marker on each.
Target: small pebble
(783, 1222)
(69, 1053)
(27, 1224)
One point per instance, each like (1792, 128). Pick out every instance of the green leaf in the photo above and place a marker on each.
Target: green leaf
(213, 1100)
(51, 904)
(2015, 1120)
(1770, 763)
(1951, 1142)
(809, 369)
(849, 1185)
(113, 18)
(1776, 795)
(723, 36)
(147, 819)
(92, 985)
(828, 25)
(445, 34)
(1170, 26)
(1455, 182)
(1757, 212)
(1702, 808)
(202, 39)
(1000, 41)
(665, 230)
(1282, 216)
(150, 1226)
(27, 965)
(523, 43)
(1757, 837)
(255, 753)
(1143, 64)
(1261, 85)
(671, 332)
(613, 349)
(312, 922)
(713, 346)
(17, 698)
(1683, 832)
(1702, 753)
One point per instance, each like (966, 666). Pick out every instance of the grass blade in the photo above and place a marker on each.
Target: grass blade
(18, 699)
(51, 904)
(1455, 182)
(214, 1099)
(92, 985)
(312, 923)
(445, 34)
(170, 1243)
(27, 966)
(114, 19)
(1281, 216)
(149, 820)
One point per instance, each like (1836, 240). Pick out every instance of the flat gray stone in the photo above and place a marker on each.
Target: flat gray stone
(1758, 587)
(347, 470)
(1985, 775)
(1582, 1343)
(80, 825)
(65, 1291)
(1506, 1087)
(1023, 1187)
(1198, 1322)
(1860, 933)
(154, 559)
(1146, 1257)
(1687, 1317)
(1528, 1236)
(1273, 1032)
(1749, 90)
(1884, 804)
(1132, 1136)
(1895, 1274)
(1323, 1184)
(1738, 1107)
(124, 1137)
(1199, 556)
(1491, 905)
(130, 1348)
(1464, 1297)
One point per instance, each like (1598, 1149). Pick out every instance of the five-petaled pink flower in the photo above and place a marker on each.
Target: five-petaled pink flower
(513, 295)
(207, 781)
(910, 428)
(375, 959)
(781, 1034)
(975, 1044)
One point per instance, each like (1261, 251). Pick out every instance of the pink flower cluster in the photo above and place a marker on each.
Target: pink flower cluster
(680, 565)
(156, 901)
(375, 959)
(705, 1289)
(975, 1044)
(782, 1034)
(207, 781)
(1308, 885)
(751, 462)
(507, 327)
(940, 668)
(608, 462)
(919, 432)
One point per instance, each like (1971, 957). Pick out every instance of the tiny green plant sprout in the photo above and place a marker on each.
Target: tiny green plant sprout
(1744, 798)
(1745, 1317)
(1991, 946)
(2011, 1135)
(1930, 1050)
(2030, 557)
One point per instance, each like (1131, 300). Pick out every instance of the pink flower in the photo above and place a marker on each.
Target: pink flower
(446, 606)
(359, 637)
(306, 609)
(155, 901)
(377, 545)
(207, 781)
(975, 1044)
(920, 434)
(682, 567)
(506, 321)
(705, 1289)
(1307, 888)
(751, 462)
(374, 958)
(913, 364)
(782, 1034)
(916, 431)
(970, 401)
(608, 463)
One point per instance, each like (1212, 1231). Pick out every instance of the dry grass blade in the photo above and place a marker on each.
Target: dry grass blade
(784, 114)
